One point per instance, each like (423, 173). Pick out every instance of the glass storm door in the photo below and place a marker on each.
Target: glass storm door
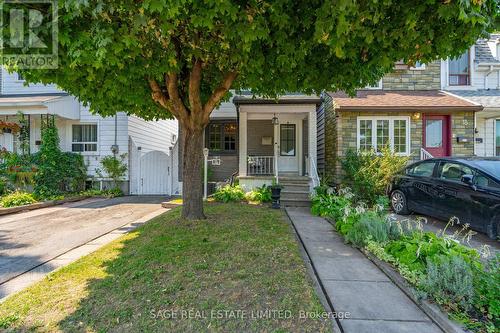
(288, 157)
(436, 135)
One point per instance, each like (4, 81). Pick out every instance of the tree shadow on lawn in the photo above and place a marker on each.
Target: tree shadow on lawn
(210, 275)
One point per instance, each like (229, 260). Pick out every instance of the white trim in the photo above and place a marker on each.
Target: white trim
(419, 68)
(494, 138)
(391, 131)
(379, 86)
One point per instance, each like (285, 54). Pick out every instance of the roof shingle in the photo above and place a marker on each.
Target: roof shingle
(402, 100)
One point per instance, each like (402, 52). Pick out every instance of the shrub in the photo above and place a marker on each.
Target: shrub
(415, 249)
(259, 194)
(229, 193)
(449, 281)
(369, 173)
(115, 168)
(370, 226)
(487, 291)
(57, 172)
(334, 206)
(17, 199)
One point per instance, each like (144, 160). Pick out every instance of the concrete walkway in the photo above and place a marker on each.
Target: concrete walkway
(35, 243)
(354, 285)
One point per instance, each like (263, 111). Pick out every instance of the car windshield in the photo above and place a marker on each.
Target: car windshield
(491, 167)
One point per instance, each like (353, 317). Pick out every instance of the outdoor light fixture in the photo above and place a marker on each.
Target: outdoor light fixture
(416, 115)
(275, 119)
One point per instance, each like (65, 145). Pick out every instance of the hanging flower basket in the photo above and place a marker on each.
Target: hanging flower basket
(6, 127)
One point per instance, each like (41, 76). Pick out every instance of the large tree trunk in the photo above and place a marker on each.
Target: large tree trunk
(192, 167)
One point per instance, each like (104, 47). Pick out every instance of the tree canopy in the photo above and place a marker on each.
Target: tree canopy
(109, 51)
(178, 58)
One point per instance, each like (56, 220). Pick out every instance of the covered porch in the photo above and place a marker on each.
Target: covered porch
(276, 140)
(29, 112)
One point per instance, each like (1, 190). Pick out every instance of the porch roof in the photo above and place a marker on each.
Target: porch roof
(27, 100)
(63, 105)
(286, 99)
(394, 100)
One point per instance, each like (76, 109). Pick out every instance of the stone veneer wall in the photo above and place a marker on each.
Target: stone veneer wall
(426, 79)
(462, 124)
(341, 131)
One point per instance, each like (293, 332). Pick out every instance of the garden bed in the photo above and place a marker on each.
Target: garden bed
(464, 282)
(37, 205)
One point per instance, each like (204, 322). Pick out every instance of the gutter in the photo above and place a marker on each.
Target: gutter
(443, 108)
(242, 100)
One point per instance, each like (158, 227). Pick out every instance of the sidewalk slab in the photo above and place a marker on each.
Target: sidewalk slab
(352, 283)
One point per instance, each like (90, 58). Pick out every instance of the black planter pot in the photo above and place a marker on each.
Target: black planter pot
(275, 196)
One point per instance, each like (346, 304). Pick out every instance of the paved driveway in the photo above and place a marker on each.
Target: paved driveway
(29, 239)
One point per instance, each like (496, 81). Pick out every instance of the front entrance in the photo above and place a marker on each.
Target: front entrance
(288, 137)
(436, 135)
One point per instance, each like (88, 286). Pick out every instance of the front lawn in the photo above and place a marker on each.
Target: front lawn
(212, 275)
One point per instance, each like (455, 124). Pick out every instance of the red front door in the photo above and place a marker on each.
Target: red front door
(436, 130)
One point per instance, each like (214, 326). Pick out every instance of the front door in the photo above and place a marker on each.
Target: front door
(436, 138)
(288, 154)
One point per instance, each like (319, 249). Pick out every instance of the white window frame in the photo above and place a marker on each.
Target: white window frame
(379, 86)
(92, 152)
(418, 68)
(391, 131)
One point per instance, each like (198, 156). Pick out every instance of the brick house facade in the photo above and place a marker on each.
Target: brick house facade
(408, 112)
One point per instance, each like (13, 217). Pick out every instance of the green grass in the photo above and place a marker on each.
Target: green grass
(241, 258)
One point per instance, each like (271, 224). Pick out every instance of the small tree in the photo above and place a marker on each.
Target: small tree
(115, 168)
(369, 173)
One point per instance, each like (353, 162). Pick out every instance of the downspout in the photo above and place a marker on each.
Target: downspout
(486, 77)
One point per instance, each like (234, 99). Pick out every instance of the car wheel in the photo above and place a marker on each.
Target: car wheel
(398, 203)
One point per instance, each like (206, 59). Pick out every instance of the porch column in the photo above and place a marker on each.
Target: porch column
(312, 146)
(242, 144)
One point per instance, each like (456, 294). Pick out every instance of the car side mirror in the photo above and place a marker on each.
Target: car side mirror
(468, 179)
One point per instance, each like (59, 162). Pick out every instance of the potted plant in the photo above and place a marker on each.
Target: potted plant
(275, 194)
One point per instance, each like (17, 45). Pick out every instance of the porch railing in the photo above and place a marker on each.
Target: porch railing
(313, 173)
(424, 154)
(260, 165)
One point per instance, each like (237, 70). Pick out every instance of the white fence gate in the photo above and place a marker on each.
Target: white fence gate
(154, 173)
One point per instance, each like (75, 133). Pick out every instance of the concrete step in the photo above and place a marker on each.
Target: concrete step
(296, 188)
(286, 194)
(295, 203)
(294, 179)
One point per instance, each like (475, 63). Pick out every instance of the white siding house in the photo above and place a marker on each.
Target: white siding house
(148, 144)
(477, 78)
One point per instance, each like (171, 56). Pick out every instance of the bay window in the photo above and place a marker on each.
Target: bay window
(374, 133)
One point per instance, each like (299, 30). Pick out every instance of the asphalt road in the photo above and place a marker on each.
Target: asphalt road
(31, 238)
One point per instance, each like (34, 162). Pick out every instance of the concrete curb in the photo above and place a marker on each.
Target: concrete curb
(38, 205)
(35, 274)
(431, 310)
